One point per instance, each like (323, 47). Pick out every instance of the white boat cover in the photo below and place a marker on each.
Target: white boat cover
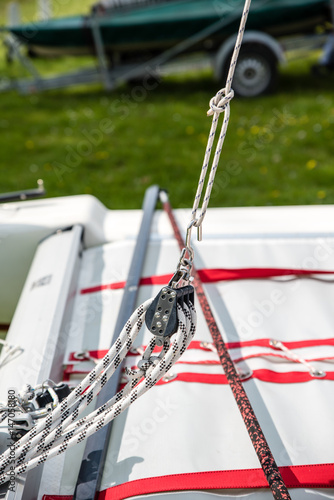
(185, 438)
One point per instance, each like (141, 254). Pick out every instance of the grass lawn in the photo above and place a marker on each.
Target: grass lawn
(28, 8)
(279, 149)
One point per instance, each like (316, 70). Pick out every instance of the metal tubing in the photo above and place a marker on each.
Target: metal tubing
(24, 195)
(92, 465)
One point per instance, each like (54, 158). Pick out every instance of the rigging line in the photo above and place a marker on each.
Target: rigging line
(220, 103)
(265, 456)
(151, 371)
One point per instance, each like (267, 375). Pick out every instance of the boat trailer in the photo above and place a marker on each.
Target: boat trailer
(173, 60)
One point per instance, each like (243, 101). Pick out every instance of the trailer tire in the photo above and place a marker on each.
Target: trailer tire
(256, 71)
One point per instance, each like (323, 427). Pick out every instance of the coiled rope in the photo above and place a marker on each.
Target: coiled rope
(62, 429)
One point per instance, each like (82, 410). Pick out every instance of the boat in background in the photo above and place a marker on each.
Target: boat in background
(90, 293)
(140, 27)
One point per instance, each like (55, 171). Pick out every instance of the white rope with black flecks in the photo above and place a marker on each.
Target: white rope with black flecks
(220, 103)
(62, 429)
(69, 405)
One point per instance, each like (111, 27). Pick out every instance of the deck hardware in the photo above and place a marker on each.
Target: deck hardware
(274, 343)
(245, 375)
(169, 377)
(161, 316)
(209, 346)
(26, 194)
(81, 355)
(32, 404)
(20, 425)
(317, 373)
(62, 391)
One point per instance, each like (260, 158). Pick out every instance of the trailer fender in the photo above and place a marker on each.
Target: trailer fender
(256, 72)
(249, 37)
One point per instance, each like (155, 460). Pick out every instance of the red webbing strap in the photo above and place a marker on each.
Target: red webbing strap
(214, 275)
(295, 476)
(265, 456)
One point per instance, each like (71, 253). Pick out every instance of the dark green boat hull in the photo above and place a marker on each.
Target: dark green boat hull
(162, 25)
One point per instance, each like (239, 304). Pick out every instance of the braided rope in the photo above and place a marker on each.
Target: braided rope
(220, 103)
(3, 415)
(61, 429)
(64, 409)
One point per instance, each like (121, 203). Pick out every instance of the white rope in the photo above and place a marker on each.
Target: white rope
(3, 411)
(8, 352)
(61, 428)
(288, 355)
(218, 104)
(277, 344)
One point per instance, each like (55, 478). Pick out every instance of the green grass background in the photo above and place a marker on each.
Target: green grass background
(279, 149)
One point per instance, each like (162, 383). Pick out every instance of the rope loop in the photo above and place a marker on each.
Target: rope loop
(218, 103)
(145, 364)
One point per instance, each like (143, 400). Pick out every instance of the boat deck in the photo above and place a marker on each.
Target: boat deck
(185, 438)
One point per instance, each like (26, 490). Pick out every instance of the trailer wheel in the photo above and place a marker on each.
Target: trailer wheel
(256, 71)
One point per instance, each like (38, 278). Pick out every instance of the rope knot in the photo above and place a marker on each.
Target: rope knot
(219, 102)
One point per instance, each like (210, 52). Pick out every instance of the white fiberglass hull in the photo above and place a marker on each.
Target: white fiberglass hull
(185, 438)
